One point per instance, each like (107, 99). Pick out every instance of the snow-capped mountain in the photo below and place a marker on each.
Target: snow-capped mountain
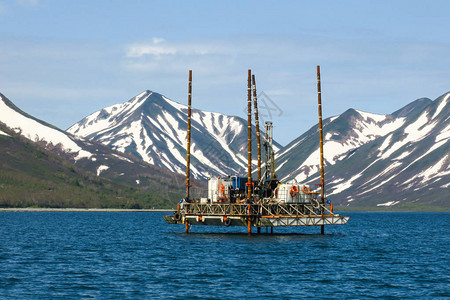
(381, 160)
(154, 128)
(400, 160)
(87, 155)
(39, 131)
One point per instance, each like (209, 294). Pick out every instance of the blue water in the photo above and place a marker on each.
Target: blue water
(133, 255)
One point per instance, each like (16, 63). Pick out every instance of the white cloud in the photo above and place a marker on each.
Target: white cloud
(27, 2)
(159, 47)
(153, 48)
(157, 40)
(141, 50)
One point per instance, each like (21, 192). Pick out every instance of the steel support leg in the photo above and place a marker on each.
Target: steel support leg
(186, 228)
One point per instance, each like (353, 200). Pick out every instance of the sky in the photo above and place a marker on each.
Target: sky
(63, 60)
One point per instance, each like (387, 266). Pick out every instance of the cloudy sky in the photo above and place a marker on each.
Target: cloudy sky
(62, 60)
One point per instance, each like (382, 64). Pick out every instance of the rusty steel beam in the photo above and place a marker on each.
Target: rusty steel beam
(322, 180)
(258, 139)
(319, 96)
(249, 96)
(188, 147)
(249, 221)
(186, 226)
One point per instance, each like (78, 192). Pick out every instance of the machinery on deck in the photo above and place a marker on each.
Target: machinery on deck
(264, 202)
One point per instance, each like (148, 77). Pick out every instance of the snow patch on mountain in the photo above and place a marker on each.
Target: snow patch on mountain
(444, 135)
(403, 155)
(441, 106)
(82, 154)
(369, 117)
(175, 104)
(372, 126)
(123, 158)
(347, 184)
(428, 174)
(37, 132)
(414, 133)
(199, 154)
(101, 168)
(390, 203)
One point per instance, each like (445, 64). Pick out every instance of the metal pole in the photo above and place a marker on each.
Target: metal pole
(188, 148)
(322, 182)
(249, 96)
(186, 226)
(258, 139)
(249, 221)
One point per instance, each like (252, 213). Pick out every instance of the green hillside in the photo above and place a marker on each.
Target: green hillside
(31, 176)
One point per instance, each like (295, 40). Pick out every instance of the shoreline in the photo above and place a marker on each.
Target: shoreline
(37, 209)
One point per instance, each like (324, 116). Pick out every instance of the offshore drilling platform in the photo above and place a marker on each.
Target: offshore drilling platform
(262, 202)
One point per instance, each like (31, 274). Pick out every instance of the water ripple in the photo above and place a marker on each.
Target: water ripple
(129, 255)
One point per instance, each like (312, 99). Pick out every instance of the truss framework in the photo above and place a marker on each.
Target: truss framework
(260, 214)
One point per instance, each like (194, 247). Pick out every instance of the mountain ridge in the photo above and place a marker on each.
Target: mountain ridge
(350, 138)
(383, 170)
(399, 160)
(153, 128)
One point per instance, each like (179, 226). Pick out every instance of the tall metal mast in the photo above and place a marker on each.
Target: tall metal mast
(188, 148)
(253, 213)
(249, 96)
(322, 181)
(270, 156)
(258, 139)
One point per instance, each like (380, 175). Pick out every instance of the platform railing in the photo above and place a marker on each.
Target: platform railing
(260, 209)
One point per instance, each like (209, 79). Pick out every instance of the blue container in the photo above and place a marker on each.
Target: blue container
(238, 183)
